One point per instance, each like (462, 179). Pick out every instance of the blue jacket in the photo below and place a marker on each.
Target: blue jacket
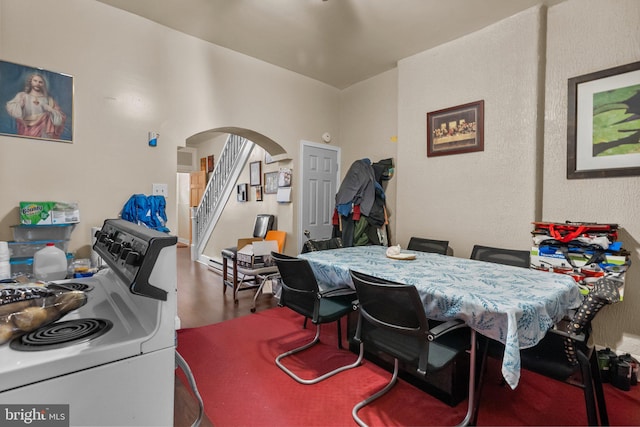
(146, 210)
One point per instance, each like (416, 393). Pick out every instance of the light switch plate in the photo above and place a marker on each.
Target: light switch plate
(161, 190)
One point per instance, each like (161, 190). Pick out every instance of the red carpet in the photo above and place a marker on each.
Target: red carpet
(233, 363)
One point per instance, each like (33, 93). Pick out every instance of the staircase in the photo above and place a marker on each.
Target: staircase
(234, 156)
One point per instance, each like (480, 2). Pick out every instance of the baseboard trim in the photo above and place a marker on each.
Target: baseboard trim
(212, 263)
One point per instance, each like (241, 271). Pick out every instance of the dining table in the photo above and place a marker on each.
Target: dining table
(513, 305)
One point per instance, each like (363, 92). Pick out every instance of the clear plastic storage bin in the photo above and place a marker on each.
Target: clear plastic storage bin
(28, 233)
(28, 249)
(21, 267)
(24, 266)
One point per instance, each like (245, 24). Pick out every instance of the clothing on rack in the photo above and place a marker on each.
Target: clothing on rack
(357, 188)
(360, 203)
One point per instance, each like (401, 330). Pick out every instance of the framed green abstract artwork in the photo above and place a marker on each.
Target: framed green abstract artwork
(603, 123)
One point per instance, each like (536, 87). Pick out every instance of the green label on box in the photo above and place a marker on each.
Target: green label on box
(35, 212)
(47, 213)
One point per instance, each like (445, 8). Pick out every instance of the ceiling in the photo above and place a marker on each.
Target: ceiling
(338, 42)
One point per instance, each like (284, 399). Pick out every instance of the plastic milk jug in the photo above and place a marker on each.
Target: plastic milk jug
(50, 263)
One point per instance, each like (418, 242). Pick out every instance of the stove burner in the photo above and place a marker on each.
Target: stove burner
(61, 334)
(72, 286)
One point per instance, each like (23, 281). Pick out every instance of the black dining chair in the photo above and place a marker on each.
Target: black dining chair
(300, 293)
(263, 223)
(517, 258)
(564, 354)
(429, 245)
(392, 320)
(313, 245)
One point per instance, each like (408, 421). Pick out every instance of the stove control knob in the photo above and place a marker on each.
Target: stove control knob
(115, 248)
(132, 258)
(125, 253)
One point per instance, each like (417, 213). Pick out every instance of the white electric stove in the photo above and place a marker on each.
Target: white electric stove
(113, 359)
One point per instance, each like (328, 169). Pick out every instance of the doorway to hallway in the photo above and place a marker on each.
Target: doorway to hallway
(319, 176)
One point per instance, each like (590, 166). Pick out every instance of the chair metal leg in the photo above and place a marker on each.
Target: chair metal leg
(480, 382)
(589, 395)
(382, 392)
(315, 340)
(471, 407)
(235, 281)
(234, 277)
(597, 385)
(259, 291)
(225, 269)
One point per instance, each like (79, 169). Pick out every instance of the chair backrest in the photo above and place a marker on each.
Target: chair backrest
(278, 236)
(322, 244)
(396, 315)
(390, 305)
(516, 258)
(428, 245)
(264, 223)
(300, 290)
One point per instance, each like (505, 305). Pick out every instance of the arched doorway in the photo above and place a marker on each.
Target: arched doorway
(206, 148)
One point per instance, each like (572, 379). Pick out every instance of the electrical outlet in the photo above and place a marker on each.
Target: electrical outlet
(161, 190)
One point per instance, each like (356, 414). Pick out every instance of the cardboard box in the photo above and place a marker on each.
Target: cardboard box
(257, 254)
(48, 213)
(247, 240)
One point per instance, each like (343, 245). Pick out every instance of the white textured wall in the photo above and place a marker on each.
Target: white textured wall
(369, 127)
(132, 76)
(486, 197)
(492, 196)
(585, 36)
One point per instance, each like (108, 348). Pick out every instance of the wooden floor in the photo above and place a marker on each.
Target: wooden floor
(201, 302)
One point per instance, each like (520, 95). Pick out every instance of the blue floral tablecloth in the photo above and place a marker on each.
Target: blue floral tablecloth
(513, 305)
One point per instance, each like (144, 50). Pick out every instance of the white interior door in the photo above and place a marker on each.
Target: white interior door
(320, 173)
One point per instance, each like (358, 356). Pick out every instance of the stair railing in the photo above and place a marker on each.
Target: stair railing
(221, 185)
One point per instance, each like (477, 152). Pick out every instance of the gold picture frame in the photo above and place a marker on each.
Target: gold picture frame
(37, 103)
(456, 130)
